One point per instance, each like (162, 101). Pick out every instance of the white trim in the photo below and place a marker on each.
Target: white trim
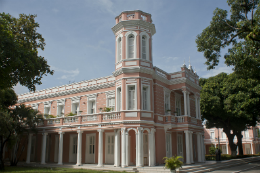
(148, 97)
(117, 98)
(91, 98)
(127, 89)
(117, 46)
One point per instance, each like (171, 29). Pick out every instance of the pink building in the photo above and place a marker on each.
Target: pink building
(154, 113)
(250, 140)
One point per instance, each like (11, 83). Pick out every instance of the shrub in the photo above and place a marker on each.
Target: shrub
(173, 163)
(70, 114)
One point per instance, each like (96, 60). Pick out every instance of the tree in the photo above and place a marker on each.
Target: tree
(239, 31)
(19, 59)
(232, 103)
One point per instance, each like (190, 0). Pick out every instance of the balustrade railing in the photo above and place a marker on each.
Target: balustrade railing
(112, 116)
(89, 118)
(70, 119)
(181, 119)
(193, 120)
(160, 72)
(53, 121)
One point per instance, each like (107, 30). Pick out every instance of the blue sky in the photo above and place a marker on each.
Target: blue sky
(80, 44)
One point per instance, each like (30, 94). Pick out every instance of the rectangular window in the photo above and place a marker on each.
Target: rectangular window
(60, 111)
(118, 99)
(92, 107)
(47, 110)
(178, 106)
(212, 135)
(145, 98)
(166, 102)
(246, 134)
(223, 135)
(143, 48)
(111, 103)
(119, 49)
(131, 47)
(75, 108)
(131, 97)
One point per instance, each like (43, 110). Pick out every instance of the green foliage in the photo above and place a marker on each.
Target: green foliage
(173, 163)
(19, 45)
(49, 116)
(107, 109)
(212, 150)
(239, 31)
(71, 114)
(228, 157)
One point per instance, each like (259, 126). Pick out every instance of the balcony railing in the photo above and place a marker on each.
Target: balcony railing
(112, 116)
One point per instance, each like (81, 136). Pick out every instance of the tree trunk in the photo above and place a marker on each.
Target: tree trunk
(239, 143)
(232, 145)
(2, 165)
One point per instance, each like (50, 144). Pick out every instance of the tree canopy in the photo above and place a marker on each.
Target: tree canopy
(230, 102)
(19, 45)
(239, 31)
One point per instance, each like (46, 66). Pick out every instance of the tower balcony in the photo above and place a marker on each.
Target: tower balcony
(134, 15)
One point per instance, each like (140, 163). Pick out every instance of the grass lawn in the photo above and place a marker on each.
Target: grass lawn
(38, 169)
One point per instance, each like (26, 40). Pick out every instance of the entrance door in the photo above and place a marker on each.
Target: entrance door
(224, 149)
(110, 143)
(247, 148)
(145, 149)
(90, 148)
(32, 156)
(56, 151)
(168, 145)
(73, 148)
(180, 145)
(48, 145)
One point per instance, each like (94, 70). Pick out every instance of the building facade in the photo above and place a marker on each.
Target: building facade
(250, 140)
(136, 116)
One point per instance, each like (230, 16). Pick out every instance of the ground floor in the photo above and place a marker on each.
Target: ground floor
(119, 147)
(248, 147)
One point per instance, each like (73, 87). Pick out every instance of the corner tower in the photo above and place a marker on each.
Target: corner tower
(133, 31)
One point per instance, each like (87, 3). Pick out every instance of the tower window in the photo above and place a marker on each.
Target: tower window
(119, 49)
(143, 47)
(131, 46)
(131, 98)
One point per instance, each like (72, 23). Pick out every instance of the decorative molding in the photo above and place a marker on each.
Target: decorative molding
(133, 70)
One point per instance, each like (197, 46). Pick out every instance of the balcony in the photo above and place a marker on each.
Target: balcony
(182, 119)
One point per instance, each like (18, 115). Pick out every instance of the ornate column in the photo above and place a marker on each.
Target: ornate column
(136, 150)
(117, 148)
(100, 147)
(252, 151)
(126, 148)
(187, 142)
(140, 145)
(203, 148)
(185, 102)
(60, 148)
(43, 147)
(227, 147)
(151, 147)
(29, 147)
(199, 146)
(191, 147)
(79, 147)
(123, 149)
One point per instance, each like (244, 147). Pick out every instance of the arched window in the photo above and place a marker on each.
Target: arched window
(143, 47)
(119, 49)
(131, 46)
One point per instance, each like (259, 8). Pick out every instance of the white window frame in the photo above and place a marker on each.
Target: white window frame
(147, 45)
(127, 101)
(177, 99)
(92, 98)
(74, 101)
(212, 137)
(118, 98)
(118, 57)
(35, 106)
(148, 97)
(246, 134)
(127, 49)
(60, 103)
(47, 105)
(167, 92)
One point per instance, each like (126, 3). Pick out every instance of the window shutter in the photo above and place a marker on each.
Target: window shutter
(143, 48)
(131, 47)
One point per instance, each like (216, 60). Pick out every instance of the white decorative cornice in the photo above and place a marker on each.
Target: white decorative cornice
(68, 92)
(132, 23)
(185, 80)
(138, 69)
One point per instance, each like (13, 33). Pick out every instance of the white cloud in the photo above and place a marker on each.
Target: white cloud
(106, 6)
(217, 70)
(19, 89)
(69, 74)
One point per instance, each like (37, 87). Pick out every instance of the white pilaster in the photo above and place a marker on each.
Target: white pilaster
(185, 102)
(196, 106)
(203, 149)
(117, 148)
(191, 147)
(188, 103)
(252, 151)
(43, 147)
(140, 145)
(29, 146)
(123, 149)
(187, 142)
(60, 148)
(227, 147)
(136, 146)
(79, 151)
(151, 148)
(126, 149)
(199, 147)
(100, 147)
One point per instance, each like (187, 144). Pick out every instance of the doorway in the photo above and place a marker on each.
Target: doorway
(90, 148)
